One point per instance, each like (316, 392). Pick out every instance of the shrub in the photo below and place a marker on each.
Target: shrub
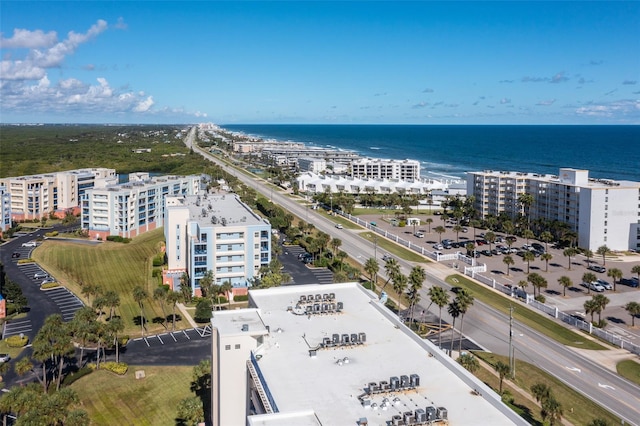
(540, 298)
(158, 260)
(49, 285)
(119, 368)
(51, 234)
(27, 260)
(68, 380)
(242, 298)
(156, 272)
(203, 311)
(16, 341)
(118, 239)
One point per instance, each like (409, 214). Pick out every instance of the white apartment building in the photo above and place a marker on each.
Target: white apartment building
(378, 168)
(313, 165)
(335, 355)
(214, 232)
(132, 208)
(35, 196)
(312, 183)
(5, 209)
(600, 211)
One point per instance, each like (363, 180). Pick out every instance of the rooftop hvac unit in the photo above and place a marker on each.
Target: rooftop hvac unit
(310, 298)
(362, 337)
(340, 306)
(325, 296)
(303, 298)
(414, 379)
(316, 307)
(332, 307)
(308, 309)
(408, 418)
(442, 413)
(431, 413)
(245, 327)
(326, 341)
(384, 385)
(332, 296)
(345, 338)
(404, 381)
(354, 338)
(325, 307)
(312, 353)
(318, 297)
(421, 415)
(396, 420)
(336, 338)
(366, 402)
(372, 387)
(394, 383)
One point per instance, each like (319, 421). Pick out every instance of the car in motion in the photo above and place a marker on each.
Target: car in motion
(29, 244)
(339, 226)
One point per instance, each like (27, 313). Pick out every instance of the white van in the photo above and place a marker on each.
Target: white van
(40, 275)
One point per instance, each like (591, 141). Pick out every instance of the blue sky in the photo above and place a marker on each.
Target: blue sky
(320, 62)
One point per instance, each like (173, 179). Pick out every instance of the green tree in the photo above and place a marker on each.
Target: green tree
(565, 282)
(140, 295)
(190, 411)
(371, 267)
(546, 256)
(636, 270)
(587, 279)
(112, 301)
(588, 254)
(440, 298)
(83, 328)
(591, 307)
(537, 281)
(454, 310)
(540, 391)
(53, 342)
(416, 281)
(160, 295)
(528, 257)
(465, 300)
(115, 326)
(616, 276)
(490, 237)
(440, 230)
(508, 260)
(601, 301)
(527, 234)
(469, 362)
(336, 243)
(598, 422)
(206, 284)
(603, 251)
(569, 252)
(633, 309)
(429, 222)
(526, 200)
(502, 369)
(546, 237)
(551, 410)
(173, 298)
(391, 267)
(226, 288)
(457, 228)
(399, 282)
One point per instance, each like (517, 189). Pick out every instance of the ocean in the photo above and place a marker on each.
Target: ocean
(608, 152)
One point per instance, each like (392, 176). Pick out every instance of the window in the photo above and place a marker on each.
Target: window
(237, 346)
(606, 215)
(605, 223)
(606, 199)
(227, 347)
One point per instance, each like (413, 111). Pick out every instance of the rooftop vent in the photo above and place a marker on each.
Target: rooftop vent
(245, 327)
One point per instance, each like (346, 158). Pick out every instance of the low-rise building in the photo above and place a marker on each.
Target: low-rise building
(600, 211)
(132, 208)
(5, 209)
(214, 232)
(380, 168)
(335, 355)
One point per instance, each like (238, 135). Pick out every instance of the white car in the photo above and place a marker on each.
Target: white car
(419, 235)
(29, 244)
(5, 358)
(339, 226)
(594, 286)
(605, 284)
(438, 246)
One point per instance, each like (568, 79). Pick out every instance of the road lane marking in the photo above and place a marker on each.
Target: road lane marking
(606, 386)
(574, 369)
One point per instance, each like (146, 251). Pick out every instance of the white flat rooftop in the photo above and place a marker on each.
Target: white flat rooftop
(330, 383)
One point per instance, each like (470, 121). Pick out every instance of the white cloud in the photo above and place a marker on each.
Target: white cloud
(622, 109)
(505, 101)
(548, 102)
(144, 105)
(25, 39)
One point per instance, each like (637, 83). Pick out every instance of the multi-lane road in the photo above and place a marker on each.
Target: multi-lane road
(484, 325)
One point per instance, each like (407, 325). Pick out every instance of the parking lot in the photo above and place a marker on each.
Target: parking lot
(570, 301)
(302, 273)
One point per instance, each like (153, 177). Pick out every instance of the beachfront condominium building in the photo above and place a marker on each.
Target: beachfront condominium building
(5, 209)
(218, 233)
(35, 196)
(600, 211)
(132, 208)
(313, 165)
(335, 355)
(378, 168)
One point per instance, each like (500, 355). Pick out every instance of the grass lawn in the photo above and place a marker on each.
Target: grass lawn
(527, 375)
(385, 245)
(122, 400)
(630, 370)
(112, 266)
(538, 322)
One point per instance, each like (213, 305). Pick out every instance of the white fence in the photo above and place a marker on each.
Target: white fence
(474, 271)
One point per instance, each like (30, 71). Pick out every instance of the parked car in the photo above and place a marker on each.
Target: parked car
(631, 282)
(438, 246)
(40, 275)
(29, 244)
(419, 235)
(48, 280)
(593, 286)
(605, 284)
(339, 226)
(4, 358)
(538, 247)
(15, 254)
(597, 268)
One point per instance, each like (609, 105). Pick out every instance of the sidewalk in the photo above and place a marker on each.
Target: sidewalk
(186, 315)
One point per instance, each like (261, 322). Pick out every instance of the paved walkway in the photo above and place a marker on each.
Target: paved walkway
(186, 315)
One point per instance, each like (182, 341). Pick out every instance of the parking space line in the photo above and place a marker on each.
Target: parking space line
(186, 335)
(158, 336)
(147, 342)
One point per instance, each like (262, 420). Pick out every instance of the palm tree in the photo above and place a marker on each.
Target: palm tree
(112, 300)
(469, 362)
(173, 298)
(569, 252)
(588, 254)
(546, 237)
(603, 251)
(540, 391)
(206, 283)
(551, 410)
(429, 222)
(526, 200)
(440, 298)
(528, 256)
(523, 284)
(416, 281)
(546, 257)
(391, 267)
(115, 327)
(590, 307)
(602, 301)
(565, 282)
(636, 270)
(440, 230)
(83, 328)
(454, 311)
(527, 234)
(371, 267)
(633, 309)
(465, 300)
(140, 295)
(616, 275)
(160, 294)
(508, 260)
(457, 229)
(400, 284)
(490, 237)
(336, 243)
(537, 281)
(226, 288)
(587, 279)
(502, 369)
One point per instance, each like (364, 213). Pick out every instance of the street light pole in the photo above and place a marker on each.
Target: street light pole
(375, 246)
(512, 359)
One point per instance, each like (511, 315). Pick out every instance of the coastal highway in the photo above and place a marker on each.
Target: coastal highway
(483, 324)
